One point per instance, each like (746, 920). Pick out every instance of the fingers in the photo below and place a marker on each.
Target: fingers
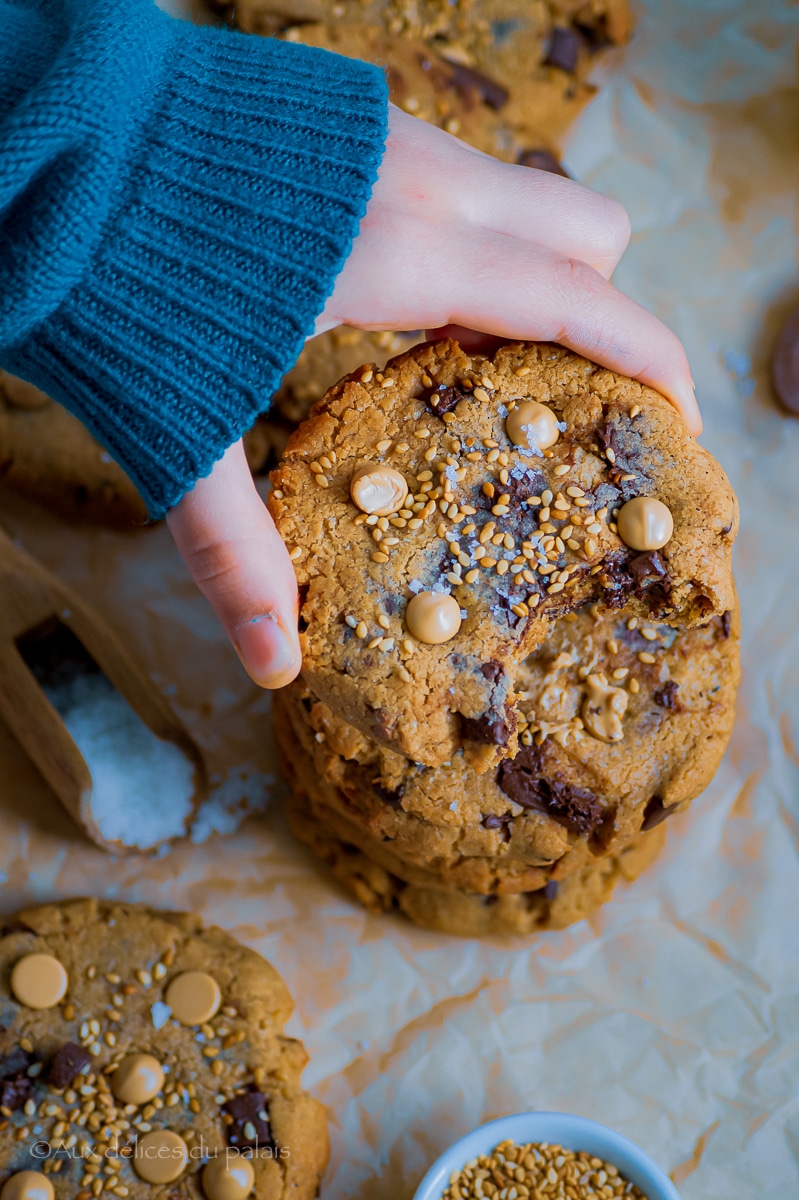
(532, 294)
(517, 201)
(240, 564)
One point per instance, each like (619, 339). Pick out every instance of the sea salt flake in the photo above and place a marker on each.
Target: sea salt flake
(160, 1014)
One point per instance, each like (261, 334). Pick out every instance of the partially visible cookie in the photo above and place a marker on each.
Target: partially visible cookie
(623, 723)
(46, 453)
(442, 512)
(144, 1056)
(462, 913)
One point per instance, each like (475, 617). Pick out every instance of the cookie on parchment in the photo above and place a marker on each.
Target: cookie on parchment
(442, 512)
(144, 1052)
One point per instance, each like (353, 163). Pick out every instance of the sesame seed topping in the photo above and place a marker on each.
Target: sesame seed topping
(645, 657)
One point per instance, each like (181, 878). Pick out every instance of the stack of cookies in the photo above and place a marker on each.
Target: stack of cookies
(519, 630)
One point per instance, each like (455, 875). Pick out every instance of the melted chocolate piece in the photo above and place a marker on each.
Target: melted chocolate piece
(666, 696)
(564, 49)
(655, 812)
(490, 729)
(249, 1109)
(470, 83)
(530, 484)
(68, 1062)
(444, 399)
(551, 890)
(726, 623)
(627, 456)
(492, 671)
(390, 796)
(492, 821)
(648, 568)
(522, 780)
(541, 160)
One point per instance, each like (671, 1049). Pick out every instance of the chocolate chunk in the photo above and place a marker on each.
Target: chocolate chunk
(564, 48)
(785, 364)
(726, 623)
(551, 890)
(605, 495)
(626, 450)
(492, 671)
(15, 1092)
(16, 1063)
(655, 812)
(444, 399)
(521, 779)
(471, 83)
(490, 729)
(248, 1109)
(391, 796)
(492, 821)
(666, 696)
(68, 1062)
(15, 1085)
(541, 160)
(647, 568)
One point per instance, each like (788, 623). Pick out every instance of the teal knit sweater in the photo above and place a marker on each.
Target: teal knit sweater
(175, 205)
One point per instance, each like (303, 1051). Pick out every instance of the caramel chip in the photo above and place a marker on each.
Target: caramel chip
(378, 490)
(137, 1079)
(645, 523)
(194, 997)
(27, 1185)
(533, 425)
(433, 617)
(228, 1178)
(39, 981)
(160, 1157)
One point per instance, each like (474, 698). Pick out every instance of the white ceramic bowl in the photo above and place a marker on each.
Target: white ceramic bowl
(562, 1129)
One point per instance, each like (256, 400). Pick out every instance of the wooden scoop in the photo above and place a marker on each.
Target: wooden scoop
(34, 606)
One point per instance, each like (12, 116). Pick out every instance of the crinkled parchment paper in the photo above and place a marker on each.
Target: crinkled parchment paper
(674, 1016)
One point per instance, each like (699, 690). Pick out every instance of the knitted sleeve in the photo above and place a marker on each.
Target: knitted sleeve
(175, 205)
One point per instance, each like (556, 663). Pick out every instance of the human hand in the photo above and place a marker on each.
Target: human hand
(450, 237)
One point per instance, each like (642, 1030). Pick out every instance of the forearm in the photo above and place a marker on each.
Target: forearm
(176, 204)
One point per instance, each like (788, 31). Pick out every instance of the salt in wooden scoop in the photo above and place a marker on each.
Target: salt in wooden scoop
(95, 725)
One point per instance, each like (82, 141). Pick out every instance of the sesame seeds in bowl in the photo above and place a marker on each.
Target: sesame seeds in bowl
(510, 1157)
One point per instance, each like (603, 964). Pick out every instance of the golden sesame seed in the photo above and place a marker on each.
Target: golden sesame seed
(379, 557)
(502, 566)
(383, 445)
(581, 502)
(610, 453)
(387, 644)
(621, 673)
(634, 686)
(390, 541)
(651, 635)
(374, 642)
(492, 456)
(427, 381)
(634, 411)
(613, 646)
(316, 468)
(361, 629)
(321, 480)
(594, 527)
(421, 433)
(645, 657)
(403, 674)
(563, 469)
(481, 394)
(430, 453)
(554, 588)
(520, 372)
(590, 547)
(366, 376)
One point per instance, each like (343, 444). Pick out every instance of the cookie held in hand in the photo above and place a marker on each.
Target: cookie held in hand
(519, 468)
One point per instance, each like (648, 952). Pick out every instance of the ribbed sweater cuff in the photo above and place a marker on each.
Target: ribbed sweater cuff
(251, 171)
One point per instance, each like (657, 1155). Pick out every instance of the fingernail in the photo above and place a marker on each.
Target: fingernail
(686, 396)
(270, 653)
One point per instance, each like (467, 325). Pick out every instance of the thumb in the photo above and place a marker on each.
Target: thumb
(239, 563)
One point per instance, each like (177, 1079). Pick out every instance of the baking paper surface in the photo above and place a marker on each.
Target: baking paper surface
(673, 1016)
